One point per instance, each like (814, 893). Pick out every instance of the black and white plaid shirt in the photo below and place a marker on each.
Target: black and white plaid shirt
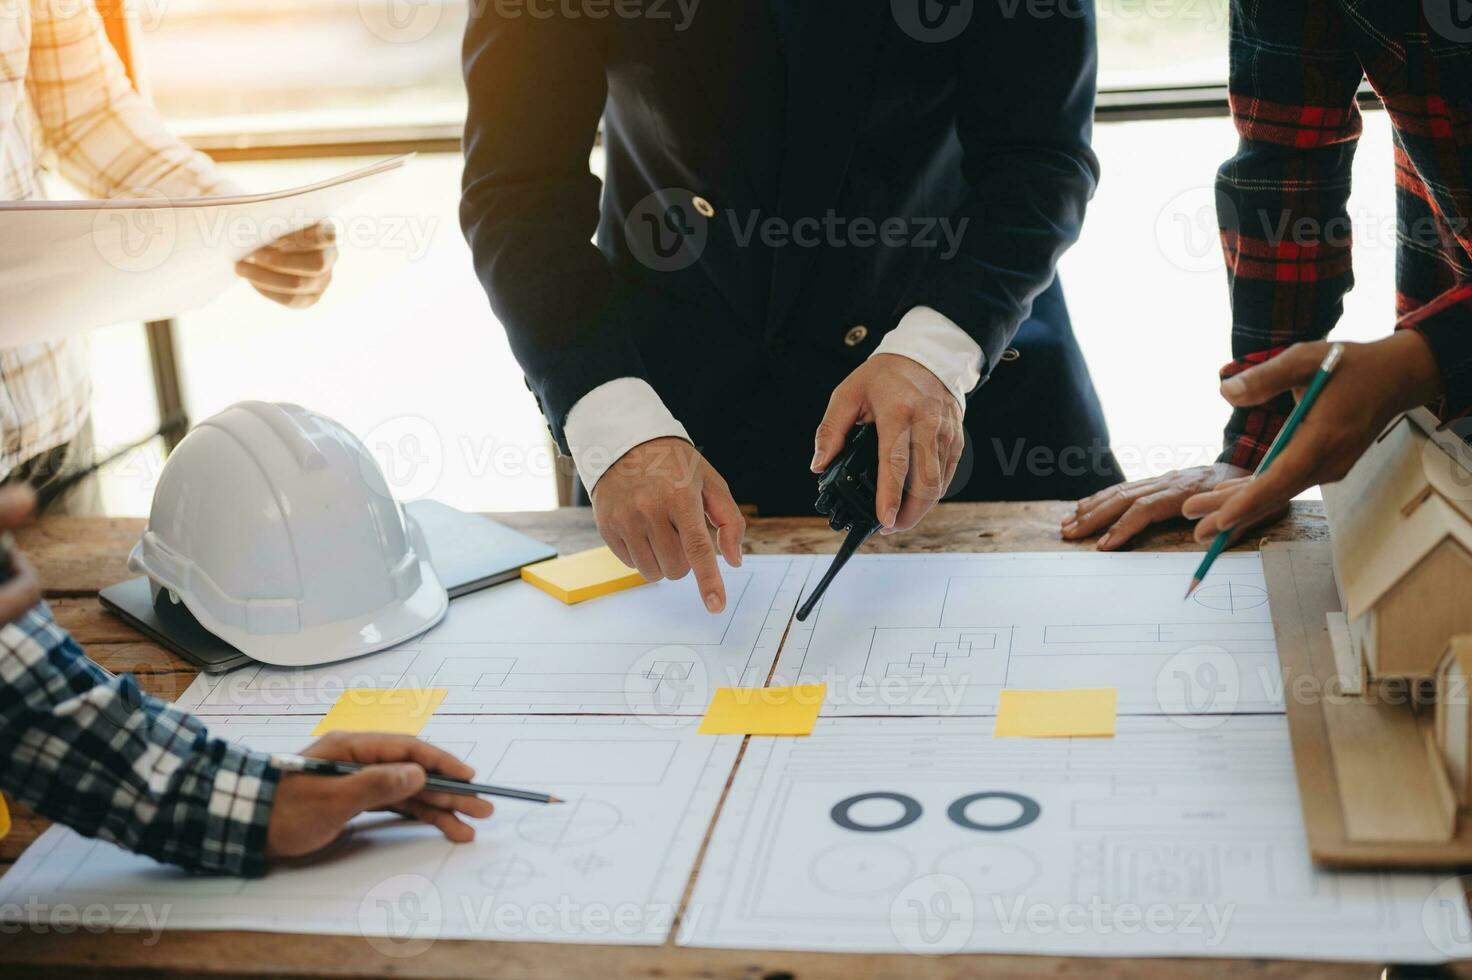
(95, 753)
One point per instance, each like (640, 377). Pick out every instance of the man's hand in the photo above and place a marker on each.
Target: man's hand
(310, 811)
(656, 508)
(1128, 508)
(19, 590)
(295, 269)
(920, 434)
(1373, 384)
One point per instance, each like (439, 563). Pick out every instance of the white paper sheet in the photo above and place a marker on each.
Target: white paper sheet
(944, 634)
(1164, 840)
(69, 266)
(609, 866)
(513, 649)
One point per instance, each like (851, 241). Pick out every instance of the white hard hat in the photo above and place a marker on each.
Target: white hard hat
(276, 529)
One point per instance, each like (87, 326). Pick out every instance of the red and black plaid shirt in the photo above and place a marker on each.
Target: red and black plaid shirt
(1282, 200)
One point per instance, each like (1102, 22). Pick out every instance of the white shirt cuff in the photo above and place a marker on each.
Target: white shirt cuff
(932, 340)
(613, 418)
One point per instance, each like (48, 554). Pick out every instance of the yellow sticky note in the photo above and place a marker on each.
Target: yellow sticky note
(1078, 713)
(399, 711)
(4, 818)
(585, 575)
(764, 710)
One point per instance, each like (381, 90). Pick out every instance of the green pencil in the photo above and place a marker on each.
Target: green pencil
(1321, 378)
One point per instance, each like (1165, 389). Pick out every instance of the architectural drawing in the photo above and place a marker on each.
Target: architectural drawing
(513, 649)
(873, 834)
(944, 634)
(608, 866)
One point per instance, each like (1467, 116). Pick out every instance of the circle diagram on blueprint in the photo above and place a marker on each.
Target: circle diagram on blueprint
(861, 870)
(1230, 597)
(989, 868)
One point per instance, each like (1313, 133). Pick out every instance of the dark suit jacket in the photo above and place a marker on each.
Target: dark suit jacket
(712, 131)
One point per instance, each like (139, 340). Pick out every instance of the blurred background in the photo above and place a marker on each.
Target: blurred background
(403, 348)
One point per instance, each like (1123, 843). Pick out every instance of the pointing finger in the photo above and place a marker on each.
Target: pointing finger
(690, 522)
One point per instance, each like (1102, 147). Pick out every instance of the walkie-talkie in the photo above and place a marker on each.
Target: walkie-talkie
(847, 491)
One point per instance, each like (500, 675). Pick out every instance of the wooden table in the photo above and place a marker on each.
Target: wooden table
(77, 556)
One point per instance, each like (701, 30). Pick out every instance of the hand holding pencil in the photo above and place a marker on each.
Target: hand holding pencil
(1373, 384)
(310, 811)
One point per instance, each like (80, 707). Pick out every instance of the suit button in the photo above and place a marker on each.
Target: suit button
(856, 335)
(1010, 354)
(705, 208)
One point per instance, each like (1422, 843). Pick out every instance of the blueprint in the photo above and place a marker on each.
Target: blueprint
(899, 825)
(608, 866)
(944, 634)
(513, 649)
(929, 836)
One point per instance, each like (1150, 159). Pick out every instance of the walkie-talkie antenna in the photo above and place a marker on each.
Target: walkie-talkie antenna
(846, 494)
(857, 535)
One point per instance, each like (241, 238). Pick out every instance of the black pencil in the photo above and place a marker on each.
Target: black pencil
(329, 767)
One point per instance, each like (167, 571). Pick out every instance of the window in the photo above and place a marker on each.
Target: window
(228, 66)
(405, 351)
(1162, 43)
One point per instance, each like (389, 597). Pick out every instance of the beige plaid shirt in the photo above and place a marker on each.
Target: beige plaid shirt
(66, 102)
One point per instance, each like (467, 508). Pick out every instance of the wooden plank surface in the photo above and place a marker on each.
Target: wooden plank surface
(77, 556)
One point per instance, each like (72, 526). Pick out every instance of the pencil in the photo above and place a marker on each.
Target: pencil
(287, 762)
(1320, 379)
